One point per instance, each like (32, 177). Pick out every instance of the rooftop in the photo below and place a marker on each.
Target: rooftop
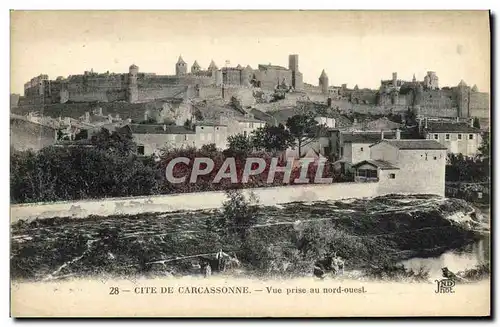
(366, 137)
(382, 164)
(158, 129)
(415, 144)
(209, 123)
(248, 119)
(440, 127)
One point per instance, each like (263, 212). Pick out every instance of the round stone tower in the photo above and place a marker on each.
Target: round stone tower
(180, 67)
(132, 89)
(323, 82)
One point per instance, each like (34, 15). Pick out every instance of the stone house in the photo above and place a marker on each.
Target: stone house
(458, 138)
(405, 166)
(151, 139)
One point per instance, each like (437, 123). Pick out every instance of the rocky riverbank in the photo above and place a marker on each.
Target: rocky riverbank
(285, 241)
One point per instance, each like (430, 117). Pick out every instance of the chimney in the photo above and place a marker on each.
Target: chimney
(472, 122)
(458, 119)
(398, 134)
(99, 110)
(381, 135)
(146, 116)
(87, 117)
(425, 122)
(164, 127)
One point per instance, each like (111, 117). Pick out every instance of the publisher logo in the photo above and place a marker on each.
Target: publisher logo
(445, 285)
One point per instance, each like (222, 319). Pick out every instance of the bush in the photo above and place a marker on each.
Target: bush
(75, 173)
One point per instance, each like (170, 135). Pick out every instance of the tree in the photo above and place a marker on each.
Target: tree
(302, 128)
(476, 123)
(120, 142)
(272, 138)
(410, 118)
(484, 149)
(239, 214)
(239, 144)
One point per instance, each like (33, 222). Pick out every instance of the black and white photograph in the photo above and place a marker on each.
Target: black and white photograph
(250, 163)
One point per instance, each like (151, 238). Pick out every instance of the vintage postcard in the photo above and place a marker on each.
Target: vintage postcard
(250, 164)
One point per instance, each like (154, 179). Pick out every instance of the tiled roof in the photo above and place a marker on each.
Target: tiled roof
(209, 123)
(451, 127)
(382, 164)
(248, 119)
(365, 138)
(158, 129)
(415, 144)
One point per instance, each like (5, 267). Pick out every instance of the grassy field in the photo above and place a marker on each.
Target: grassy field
(285, 241)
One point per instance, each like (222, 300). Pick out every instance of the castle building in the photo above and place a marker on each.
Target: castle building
(396, 95)
(180, 67)
(195, 68)
(431, 81)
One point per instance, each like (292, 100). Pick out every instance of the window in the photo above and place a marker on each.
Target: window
(185, 137)
(361, 149)
(447, 136)
(459, 136)
(436, 136)
(435, 158)
(245, 133)
(140, 149)
(367, 173)
(471, 136)
(392, 176)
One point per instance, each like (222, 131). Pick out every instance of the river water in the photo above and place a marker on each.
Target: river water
(456, 260)
(466, 257)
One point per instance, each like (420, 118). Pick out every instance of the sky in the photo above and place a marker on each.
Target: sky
(353, 47)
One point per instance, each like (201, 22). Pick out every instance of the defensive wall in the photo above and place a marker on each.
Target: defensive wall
(192, 201)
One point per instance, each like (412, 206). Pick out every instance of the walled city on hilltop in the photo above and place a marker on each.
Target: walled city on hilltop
(214, 82)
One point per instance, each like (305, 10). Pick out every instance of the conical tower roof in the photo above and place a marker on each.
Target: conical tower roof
(180, 60)
(196, 65)
(248, 67)
(462, 83)
(414, 78)
(356, 87)
(212, 65)
(474, 88)
(238, 67)
(323, 75)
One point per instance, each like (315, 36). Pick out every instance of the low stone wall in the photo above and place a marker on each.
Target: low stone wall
(190, 201)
